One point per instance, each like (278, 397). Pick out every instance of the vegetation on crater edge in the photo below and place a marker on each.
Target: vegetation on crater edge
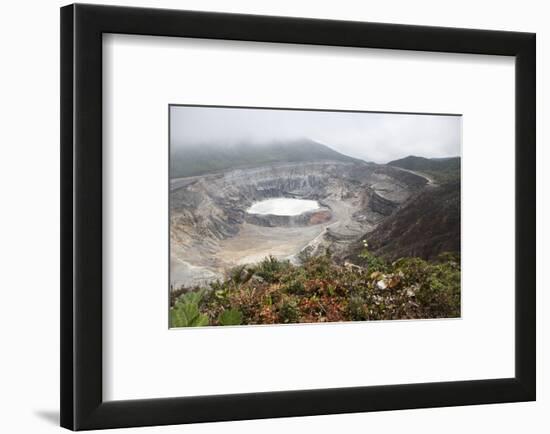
(319, 290)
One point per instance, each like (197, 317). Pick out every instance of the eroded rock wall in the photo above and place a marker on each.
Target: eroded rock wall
(205, 210)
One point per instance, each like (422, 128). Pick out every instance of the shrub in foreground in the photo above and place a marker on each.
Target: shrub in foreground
(319, 290)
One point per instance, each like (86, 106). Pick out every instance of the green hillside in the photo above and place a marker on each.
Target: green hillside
(209, 158)
(441, 169)
(420, 163)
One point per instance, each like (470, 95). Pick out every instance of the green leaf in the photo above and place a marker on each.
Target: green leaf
(230, 317)
(187, 315)
(200, 321)
(175, 320)
(192, 297)
(189, 311)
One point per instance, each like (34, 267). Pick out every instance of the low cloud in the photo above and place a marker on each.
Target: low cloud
(378, 137)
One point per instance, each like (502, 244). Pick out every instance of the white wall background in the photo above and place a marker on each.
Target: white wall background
(29, 230)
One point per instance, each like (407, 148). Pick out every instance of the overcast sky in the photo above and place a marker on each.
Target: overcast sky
(378, 137)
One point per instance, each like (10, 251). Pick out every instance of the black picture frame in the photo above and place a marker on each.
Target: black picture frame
(82, 405)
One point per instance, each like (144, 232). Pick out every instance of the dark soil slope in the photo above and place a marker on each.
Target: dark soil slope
(428, 224)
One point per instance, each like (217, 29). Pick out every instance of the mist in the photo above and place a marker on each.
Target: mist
(377, 137)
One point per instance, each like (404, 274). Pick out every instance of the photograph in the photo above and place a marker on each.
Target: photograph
(281, 216)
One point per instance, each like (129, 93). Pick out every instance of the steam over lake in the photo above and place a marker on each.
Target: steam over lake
(283, 206)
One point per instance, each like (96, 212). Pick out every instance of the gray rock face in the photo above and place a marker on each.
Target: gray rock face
(208, 213)
(380, 204)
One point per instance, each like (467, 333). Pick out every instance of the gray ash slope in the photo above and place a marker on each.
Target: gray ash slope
(210, 231)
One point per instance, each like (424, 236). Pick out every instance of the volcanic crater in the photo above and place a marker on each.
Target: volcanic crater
(212, 228)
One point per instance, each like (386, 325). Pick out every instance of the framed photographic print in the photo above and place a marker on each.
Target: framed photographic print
(281, 216)
(268, 217)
